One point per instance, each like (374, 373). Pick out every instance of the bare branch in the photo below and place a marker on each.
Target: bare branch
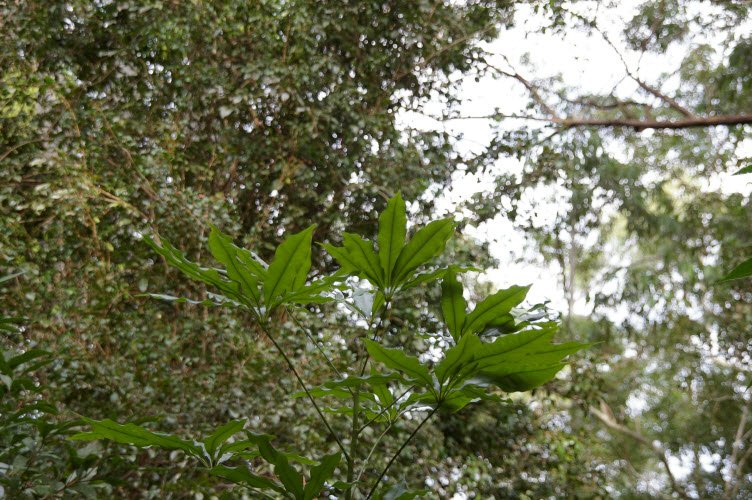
(533, 91)
(639, 125)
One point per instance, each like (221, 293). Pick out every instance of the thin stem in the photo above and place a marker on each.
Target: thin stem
(407, 441)
(373, 448)
(321, 349)
(353, 441)
(386, 408)
(302, 384)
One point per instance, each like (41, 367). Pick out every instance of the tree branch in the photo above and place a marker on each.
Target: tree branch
(638, 125)
(734, 464)
(607, 417)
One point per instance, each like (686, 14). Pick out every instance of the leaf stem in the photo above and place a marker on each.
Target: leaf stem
(302, 384)
(373, 448)
(391, 461)
(353, 442)
(386, 408)
(321, 349)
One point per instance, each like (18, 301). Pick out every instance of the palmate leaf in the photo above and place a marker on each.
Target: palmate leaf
(456, 398)
(515, 362)
(426, 244)
(393, 267)
(241, 475)
(458, 357)
(361, 251)
(226, 253)
(210, 276)
(396, 359)
(453, 304)
(743, 270)
(138, 436)
(492, 307)
(289, 269)
(392, 234)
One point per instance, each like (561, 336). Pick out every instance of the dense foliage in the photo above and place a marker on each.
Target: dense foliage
(123, 119)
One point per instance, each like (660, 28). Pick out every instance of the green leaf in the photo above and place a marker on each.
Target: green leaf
(392, 234)
(399, 491)
(456, 399)
(744, 170)
(288, 476)
(226, 252)
(380, 388)
(213, 300)
(743, 270)
(458, 357)
(521, 377)
(521, 361)
(210, 276)
(361, 252)
(494, 306)
(137, 436)
(343, 257)
(26, 357)
(398, 360)
(222, 434)
(317, 291)
(427, 243)
(289, 269)
(241, 475)
(453, 304)
(339, 392)
(431, 275)
(319, 475)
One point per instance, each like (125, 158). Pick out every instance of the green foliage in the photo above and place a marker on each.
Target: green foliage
(465, 372)
(36, 461)
(743, 270)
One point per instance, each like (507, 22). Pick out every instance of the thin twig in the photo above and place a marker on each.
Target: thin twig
(391, 461)
(305, 389)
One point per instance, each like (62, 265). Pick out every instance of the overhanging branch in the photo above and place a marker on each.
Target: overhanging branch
(639, 125)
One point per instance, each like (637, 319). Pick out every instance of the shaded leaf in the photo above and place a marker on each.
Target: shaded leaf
(426, 244)
(392, 234)
(319, 475)
(743, 270)
(492, 307)
(453, 304)
(361, 251)
(289, 269)
(396, 359)
(241, 475)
